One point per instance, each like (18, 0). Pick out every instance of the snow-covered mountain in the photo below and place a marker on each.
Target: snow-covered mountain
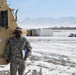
(48, 22)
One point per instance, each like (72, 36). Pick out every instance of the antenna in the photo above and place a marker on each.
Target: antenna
(16, 14)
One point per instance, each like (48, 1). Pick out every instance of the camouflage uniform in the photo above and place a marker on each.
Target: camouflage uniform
(13, 53)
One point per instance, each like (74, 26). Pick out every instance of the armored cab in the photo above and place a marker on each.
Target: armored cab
(7, 26)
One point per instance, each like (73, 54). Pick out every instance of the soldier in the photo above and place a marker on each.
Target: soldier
(13, 52)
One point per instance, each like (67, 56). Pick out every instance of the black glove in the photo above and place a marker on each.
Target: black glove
(25, 58)
(7, 61)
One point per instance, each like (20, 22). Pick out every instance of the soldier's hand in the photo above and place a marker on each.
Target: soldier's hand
(7, 61)
(25, 58)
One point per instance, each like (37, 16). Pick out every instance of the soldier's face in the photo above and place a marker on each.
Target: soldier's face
(18, 33)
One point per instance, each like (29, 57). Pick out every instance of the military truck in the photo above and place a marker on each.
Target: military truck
(7, 26)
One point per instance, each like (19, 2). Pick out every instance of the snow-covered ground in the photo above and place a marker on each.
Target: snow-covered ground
(51, 56)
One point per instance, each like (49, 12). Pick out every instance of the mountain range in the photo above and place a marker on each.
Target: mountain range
(48, 22)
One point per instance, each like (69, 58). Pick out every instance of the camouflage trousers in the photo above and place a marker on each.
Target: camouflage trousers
(17, 66)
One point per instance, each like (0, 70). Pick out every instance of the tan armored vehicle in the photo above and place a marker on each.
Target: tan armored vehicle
(7, 26)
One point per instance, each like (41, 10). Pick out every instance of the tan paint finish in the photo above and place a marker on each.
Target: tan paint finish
(5, 34)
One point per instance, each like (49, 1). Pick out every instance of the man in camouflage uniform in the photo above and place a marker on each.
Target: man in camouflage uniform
(13, 52)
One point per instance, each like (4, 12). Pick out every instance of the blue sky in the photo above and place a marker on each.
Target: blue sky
(44, 8)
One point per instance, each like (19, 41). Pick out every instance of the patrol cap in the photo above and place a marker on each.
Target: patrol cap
(18, 28)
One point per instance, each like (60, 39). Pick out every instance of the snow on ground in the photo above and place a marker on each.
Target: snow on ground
(51, 56)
